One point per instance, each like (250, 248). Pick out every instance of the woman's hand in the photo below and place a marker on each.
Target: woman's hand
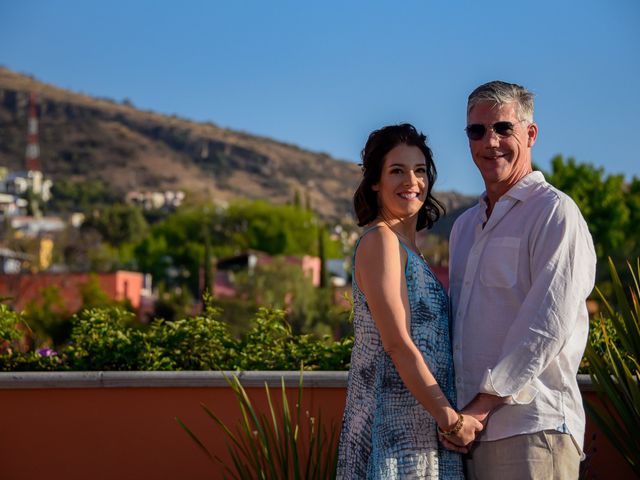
(467, 433)
(463, 433)
(452, 446)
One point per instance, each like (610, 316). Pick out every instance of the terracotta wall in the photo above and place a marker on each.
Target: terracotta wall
(131, 433)
(603, 461)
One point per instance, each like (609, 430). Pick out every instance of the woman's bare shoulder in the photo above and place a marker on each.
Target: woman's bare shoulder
(377, 239)
(379, 249)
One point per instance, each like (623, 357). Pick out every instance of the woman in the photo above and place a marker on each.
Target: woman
(400, 391)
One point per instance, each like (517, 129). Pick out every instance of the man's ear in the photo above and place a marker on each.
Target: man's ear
(532, 134)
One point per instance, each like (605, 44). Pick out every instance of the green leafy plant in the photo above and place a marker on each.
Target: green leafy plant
(111, 339)
(42, 360)
(10, 331)
(13, 328)
(615, 370)
(102, 339)
(270, 344)
(47, 318)
(600, 329)
(281, 444)
(197, 343)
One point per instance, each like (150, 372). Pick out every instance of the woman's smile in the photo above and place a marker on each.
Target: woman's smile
(403, 182)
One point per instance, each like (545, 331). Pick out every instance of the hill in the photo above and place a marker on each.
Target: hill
(87, 138)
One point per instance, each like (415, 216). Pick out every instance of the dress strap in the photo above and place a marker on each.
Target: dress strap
(374, 227)
(367, 230)
(370, 229)
(407, 249)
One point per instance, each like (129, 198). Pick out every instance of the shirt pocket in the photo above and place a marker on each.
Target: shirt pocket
(500, 262)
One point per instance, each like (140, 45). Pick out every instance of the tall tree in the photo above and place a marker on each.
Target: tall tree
(324, 273)
(208, 280)
(118, 223)
(609, 204)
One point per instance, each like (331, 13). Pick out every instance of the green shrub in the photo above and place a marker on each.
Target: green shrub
(9, 330)
(271, 345)
(600, 330)
(13, 328)
(47, 317)
(110, 339)
(196, 343)
(103, 339)
(33, 361)
(236, 313)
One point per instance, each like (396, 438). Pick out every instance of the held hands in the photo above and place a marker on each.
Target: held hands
(460, 436)
(482, 406)
(475, 413)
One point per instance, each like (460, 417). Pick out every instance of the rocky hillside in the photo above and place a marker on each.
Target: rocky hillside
(82, 137)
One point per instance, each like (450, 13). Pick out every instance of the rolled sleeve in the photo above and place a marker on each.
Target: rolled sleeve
(522, 397)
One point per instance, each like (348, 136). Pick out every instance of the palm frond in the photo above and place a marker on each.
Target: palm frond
(615, 370)
(277, 445)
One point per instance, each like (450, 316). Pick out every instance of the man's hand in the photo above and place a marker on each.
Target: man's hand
(452, 446)
(464, 437)
(482, 405)
(479, 408)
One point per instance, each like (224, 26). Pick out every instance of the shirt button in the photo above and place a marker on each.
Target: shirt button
(458, 380)
(456, 347)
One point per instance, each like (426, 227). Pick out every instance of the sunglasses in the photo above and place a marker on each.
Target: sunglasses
(477, 131)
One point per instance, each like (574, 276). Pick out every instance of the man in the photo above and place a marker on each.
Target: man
(522, 265)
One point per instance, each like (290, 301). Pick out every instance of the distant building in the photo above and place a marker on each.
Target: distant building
(337, 272)
(168, 199)
(13, 262)
(31, 226)
(223, 280)
(11, 205)
(23, 288)
(45, 253)
(76, 219)
(20, 183)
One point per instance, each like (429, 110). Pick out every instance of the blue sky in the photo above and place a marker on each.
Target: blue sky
(322, 75)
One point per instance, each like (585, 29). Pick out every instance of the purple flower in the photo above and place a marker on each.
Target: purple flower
(46, 352)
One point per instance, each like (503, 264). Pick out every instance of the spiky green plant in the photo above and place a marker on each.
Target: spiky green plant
(615, 370)
(281, 444)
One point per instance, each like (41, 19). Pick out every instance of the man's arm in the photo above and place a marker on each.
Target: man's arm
(479, 408)
(562, 276)
(482, 405)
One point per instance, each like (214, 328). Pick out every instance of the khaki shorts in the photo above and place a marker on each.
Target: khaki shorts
(547, 455)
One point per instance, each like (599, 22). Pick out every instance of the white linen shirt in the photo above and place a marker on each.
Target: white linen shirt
(520, 324)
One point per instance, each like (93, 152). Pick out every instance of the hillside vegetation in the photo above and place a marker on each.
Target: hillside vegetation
(87, 138)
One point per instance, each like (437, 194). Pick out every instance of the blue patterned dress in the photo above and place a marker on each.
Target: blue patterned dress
(386, 433)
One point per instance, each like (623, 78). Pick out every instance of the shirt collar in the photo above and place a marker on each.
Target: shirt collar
(521, 190)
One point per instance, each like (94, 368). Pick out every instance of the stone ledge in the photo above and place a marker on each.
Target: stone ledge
(199, 379)
(196, 379)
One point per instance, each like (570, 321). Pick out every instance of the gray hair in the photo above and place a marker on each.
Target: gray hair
(501, 93)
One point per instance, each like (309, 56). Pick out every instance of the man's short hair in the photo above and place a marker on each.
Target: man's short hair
(501, 93)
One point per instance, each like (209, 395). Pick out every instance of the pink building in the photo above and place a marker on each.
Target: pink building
(23, 288)
(223, 284)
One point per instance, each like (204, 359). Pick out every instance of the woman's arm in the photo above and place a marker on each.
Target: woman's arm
(380, 275)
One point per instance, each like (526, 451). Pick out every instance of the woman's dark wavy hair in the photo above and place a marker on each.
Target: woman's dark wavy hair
(381, 142)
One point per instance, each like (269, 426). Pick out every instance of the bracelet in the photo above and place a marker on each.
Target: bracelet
(455, 429)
